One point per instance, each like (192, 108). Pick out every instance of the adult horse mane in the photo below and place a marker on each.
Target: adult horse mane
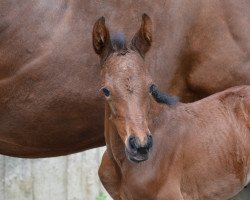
(158, 152)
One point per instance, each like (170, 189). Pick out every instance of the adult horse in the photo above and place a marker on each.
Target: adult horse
(196, 151)
(49, 93)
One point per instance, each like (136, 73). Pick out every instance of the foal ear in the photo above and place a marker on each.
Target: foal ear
(101, 39)
(143, 38)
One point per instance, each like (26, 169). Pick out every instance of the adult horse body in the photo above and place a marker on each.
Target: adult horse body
(196, 151)
(49, 93)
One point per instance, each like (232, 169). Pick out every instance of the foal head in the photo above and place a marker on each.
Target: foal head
(127, 85)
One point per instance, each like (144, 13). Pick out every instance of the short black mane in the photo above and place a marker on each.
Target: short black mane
(119, 43)
(161, 97)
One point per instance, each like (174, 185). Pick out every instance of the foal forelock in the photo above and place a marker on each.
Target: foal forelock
(118, 42)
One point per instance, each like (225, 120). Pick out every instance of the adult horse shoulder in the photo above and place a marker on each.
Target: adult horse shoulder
(175, 151)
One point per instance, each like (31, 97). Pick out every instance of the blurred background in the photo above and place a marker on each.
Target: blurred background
(72, 177)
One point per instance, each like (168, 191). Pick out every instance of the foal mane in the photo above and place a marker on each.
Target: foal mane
(161, 97)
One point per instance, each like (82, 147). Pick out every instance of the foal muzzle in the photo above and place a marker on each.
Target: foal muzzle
(136, 150)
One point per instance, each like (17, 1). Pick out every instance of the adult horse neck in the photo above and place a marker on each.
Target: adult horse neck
(172, 151)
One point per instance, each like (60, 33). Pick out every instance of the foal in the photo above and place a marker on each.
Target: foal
(167, 151)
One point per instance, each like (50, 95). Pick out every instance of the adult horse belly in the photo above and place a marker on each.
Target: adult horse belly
(46, 112)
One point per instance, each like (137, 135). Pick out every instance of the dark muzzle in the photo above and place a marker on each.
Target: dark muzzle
(138, 151)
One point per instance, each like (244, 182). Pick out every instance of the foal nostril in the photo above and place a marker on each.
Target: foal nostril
(150, 141)
(147, 147)
(136, 146)
(133, 143)
(143, 150)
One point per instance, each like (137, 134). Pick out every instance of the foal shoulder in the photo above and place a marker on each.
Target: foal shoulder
(234, 100)
(237, 100)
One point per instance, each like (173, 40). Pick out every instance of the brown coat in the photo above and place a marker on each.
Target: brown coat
(201, 152)
(50, 103)
(195, 151)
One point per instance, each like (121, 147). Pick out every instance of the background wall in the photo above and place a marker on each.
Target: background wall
(71, 177)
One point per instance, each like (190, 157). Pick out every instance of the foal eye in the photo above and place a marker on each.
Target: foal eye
(106, 92)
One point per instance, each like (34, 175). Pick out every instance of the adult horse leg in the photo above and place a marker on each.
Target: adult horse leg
(109, 176)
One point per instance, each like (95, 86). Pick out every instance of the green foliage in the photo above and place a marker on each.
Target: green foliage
(101, 196)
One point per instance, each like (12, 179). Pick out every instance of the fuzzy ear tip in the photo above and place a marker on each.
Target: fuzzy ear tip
(101, 20)
(145, 16)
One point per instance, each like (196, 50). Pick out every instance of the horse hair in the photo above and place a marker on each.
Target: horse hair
(119, 43)
(161, 97)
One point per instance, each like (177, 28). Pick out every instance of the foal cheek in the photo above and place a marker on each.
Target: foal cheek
(112, 108)
(121, 129)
